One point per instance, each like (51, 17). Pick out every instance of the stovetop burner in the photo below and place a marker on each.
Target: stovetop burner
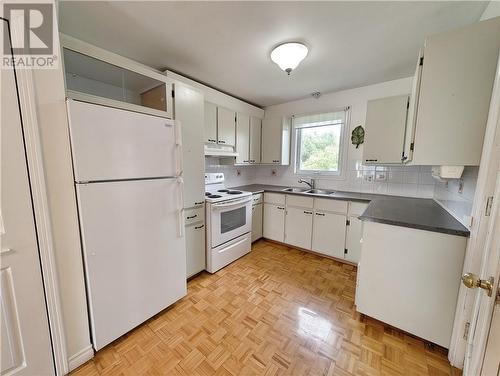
(214, 196)
(207, 193)
(223, 190)
(234, 192)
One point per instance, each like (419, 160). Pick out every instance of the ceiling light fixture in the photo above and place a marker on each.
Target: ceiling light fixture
(289, 55)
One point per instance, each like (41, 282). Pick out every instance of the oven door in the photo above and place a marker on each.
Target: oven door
(230, 219)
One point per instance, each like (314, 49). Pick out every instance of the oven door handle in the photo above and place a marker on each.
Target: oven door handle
(232, 203)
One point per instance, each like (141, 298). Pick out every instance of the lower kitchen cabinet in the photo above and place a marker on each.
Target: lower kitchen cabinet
(298, 227)
(274, 219)
(354, 232)
(329, 234)
(195, 248)
(256, 222)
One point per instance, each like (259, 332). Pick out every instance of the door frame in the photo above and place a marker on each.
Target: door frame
(31, 134)
(486, 184)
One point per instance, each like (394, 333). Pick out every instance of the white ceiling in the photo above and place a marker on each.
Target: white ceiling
(227, 44)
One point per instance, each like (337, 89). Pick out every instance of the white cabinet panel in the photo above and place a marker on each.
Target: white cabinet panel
(329, 234)
(256, 222)
(194, 215)
(301, 201)
(276, 140)
(298, 227)
(357, 208)
(353, 239)
(242, 138)
(189, 110)
(255, 139)
(195, 248)
(274, 222)
(385, 130)
(412, 111)
(274, 198)
(257, 198)
(226, 127)
(335, 206)
(210, 123)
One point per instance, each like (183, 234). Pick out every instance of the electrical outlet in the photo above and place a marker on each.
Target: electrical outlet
(238, 172)
(380, 176)
(274, 172)
(368, 178)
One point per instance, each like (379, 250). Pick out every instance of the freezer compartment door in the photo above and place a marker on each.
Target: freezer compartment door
(113, 144)
(134, 253)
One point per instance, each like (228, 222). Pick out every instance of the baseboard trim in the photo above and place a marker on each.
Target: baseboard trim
(80, 357)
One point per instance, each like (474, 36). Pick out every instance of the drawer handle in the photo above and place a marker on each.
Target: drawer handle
(198, 227)
(191, 216)
(307, 212)
(280, 208)
(371, 160)
(222, 142)
(321, 214)
(210, 140)
(199, 203)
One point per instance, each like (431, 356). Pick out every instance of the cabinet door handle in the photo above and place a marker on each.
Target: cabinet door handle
(198, 227)
(280, 208)
(252, 160)
(371, 160)
(307, 212)
(210, 140)
(321, 214)
(191, 216)
(199, 203)
(222, 142)
(246, 161)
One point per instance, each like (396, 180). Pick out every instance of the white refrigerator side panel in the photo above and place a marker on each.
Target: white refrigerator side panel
(113, 144)
(134, 254)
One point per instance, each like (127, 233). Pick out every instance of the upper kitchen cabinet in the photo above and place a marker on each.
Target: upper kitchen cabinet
(96, 76)
(210, 123)
(189, 110)
(226, 127)
(255, 139)
(276, 140)
(242, 138)
(385, 130)
(451, 96)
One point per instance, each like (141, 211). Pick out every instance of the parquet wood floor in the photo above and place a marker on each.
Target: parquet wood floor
(276, 311)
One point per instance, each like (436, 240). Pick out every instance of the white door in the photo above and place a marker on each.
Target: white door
(134, 252)
(189, 106)
(255, 139)
(274, 222)
(271, 140)
(195, 248)
(298, 227)
(329, 234)
(385, 129)
(210, 123)
(111, 144)
(242, 138)
(226, 127)
(25, 340)
(353, 239)
(256, 222)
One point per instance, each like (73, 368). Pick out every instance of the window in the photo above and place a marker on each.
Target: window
(319, 143)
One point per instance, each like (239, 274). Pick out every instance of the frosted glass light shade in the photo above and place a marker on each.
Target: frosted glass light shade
(289, 55)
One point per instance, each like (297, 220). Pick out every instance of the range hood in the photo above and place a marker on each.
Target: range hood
(220, 151)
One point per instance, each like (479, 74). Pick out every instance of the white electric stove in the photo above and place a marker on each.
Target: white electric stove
(228, 220)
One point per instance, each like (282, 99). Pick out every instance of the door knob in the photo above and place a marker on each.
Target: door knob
(472, 281)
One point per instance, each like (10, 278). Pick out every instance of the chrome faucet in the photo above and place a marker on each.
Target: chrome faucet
(310, 183)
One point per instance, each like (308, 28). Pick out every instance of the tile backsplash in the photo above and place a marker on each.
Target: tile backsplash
(457, 195)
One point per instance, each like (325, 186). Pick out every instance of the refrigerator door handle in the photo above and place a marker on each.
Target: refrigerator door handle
(178, 146)
(180, 211)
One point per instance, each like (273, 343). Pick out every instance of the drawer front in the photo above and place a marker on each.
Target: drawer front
(274, 198)
(257, 198)
(300, 201)
(357, 208)
(336, 206)
(194, 215)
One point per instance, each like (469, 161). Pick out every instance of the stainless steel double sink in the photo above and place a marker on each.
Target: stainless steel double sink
(315, 191)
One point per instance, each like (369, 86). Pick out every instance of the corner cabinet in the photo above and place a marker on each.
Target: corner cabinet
(385, 130)
(276, 132)
(451, 96)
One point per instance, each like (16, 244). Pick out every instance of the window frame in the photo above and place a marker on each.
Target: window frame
(334, 175)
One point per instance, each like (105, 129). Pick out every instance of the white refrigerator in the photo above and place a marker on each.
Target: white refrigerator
(128, 177)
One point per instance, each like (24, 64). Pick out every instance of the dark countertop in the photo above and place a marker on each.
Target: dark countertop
(419, 213)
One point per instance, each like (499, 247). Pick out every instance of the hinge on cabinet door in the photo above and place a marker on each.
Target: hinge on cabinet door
(421, 61)
(348, 222)
(489, 204)
(466, 330)
(412, 146)
(345, 251)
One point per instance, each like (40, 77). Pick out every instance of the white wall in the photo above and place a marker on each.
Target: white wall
(492, 10)
(406, 181)
(52, 119)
